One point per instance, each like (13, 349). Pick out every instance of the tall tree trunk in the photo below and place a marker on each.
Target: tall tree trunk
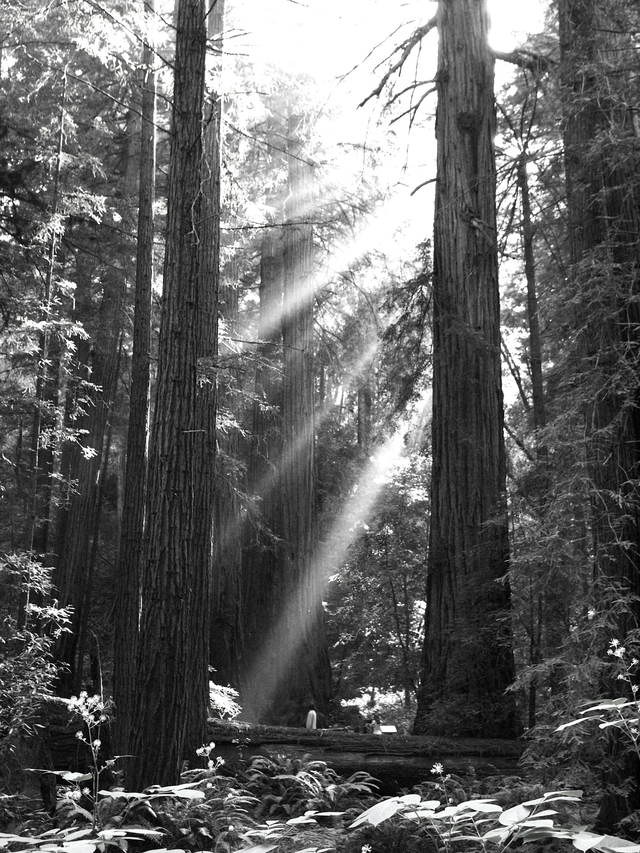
(226, 590)
(89, 401)
(302, 645)
(207, 350)
(467, 661)
(172, 685)
(602, 161)
(262, 553)
(292, 668)
(133, 522)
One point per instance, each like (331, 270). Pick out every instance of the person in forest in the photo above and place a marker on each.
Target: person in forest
(312, 718)
(375, 725)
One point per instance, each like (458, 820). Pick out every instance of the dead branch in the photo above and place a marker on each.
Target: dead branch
(405, 50)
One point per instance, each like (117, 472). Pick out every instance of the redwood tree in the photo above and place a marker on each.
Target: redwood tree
(172, 685)
(467, 661)
(135, 482)
(599, 67)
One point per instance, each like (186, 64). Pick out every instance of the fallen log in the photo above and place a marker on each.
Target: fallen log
(398, 761)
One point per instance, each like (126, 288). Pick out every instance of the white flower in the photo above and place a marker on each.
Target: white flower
(437, 769)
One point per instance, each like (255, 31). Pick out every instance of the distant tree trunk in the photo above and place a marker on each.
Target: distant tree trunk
(262, 553)
(172, 684)
(127, 610)
(599, 67)
(533, 317)
(307, 673)
(291, 666)
(226, 590)
(467, 660)
(89, 401)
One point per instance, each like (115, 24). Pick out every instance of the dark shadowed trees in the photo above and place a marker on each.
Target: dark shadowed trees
(599, 66)
(172, 685)
(135, 480)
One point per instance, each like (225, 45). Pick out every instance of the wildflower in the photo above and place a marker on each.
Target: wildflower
(79, 735)
(97, 743)
(72, 794)
(437, 769)
(366, 848)
(86, 792)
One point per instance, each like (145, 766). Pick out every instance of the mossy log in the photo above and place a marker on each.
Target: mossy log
(397, 760)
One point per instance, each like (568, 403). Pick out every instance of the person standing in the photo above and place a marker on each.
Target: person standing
(312, 718)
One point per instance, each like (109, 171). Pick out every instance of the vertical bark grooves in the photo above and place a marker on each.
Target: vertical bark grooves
(467, 661)
(173, 648)
(135, 485)
(602, 162)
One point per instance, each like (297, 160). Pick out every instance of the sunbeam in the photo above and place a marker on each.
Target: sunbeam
(300, 612)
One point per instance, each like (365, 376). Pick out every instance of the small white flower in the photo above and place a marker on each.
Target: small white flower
(97, 743)
(79, 735)
(437, 769)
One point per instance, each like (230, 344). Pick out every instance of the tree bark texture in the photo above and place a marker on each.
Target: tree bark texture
(135, 483)
(602, 161)
(208, 287)
(171, 692)
(467, 661)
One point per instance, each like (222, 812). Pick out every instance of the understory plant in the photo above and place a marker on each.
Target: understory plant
(623, 712)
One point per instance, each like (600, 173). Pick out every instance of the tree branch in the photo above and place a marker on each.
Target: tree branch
(405, 50)
(538, 63)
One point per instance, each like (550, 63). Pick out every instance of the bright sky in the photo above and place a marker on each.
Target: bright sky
(341, 42)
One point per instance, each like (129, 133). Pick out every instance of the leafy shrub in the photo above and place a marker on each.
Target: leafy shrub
(29, 626)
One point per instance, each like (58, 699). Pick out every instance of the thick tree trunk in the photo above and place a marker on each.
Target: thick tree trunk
(467, 661)
(602, 161)
(207, 388)
(172, 684)
(132, 523)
